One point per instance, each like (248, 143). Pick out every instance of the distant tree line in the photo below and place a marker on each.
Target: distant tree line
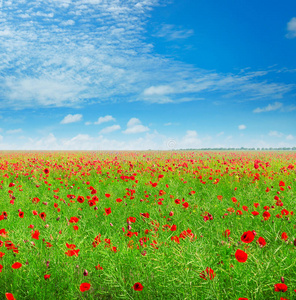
(248, 149)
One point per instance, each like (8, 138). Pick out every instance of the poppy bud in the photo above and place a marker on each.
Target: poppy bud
(295, 242)
(85, 273)
(19, 210)
(111, 224)
(47, 264)
(171, 213)
(129, 227)
(95, 208)
(144, 253)
(45, 203)
(58, 218)
(282, 279)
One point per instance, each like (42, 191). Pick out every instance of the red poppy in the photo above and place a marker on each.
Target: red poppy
(108, 211)
(1, 254)
(46, 171)
(226, 233)
(35, 213)
(241, 256)
(247, 237)
(138, 286)
(16, 265)
(47, 276)
(281, 183)
(280, 287)
(9, 296)
(21, 214)
(261, 241)
(207, 274)
(255, 213)
(35, 235)
(1, 267)
(35, 200)
(75, 227)
(72, 252)
(118, 200)
(84, 287)
(107, 195)
(173, 227)
(98, 267)
(266, 215)
(42, 216)
(220, 197)
(73, 220)
(80, 199)
(284, 236)
(242, 299)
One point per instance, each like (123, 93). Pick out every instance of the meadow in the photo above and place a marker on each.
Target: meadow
(148, 225)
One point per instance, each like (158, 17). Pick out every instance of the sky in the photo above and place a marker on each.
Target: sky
(147, 74)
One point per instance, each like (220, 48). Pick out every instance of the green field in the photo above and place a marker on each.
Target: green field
(148, 225)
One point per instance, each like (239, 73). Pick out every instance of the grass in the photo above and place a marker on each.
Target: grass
(150, 254)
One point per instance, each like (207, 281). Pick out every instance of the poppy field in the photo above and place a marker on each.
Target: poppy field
(148, 225)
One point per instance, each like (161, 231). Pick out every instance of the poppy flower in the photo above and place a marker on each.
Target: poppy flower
(108, 211)
(46, 171)
(284, 236)
(35, 200)
(173, 227)
(47, 276)
(242, 299)
(207, 274)
(73, 220)
(98, 267)
(280, 287)
(266, 215)
(261, 241)
(1, 254)
(84, 287)
(42, 216)
(241, 256)
(107, 195)
(220, 197)
(16, 265)
(281, 183)
(1, 267)
(9, 296)
(255, 213)
(75, 227)
(247, 237)
(21, 214)
(80, 199)
(226, 233)
(35, 235)
(138, 286)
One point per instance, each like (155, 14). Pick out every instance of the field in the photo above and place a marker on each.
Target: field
(148, 225)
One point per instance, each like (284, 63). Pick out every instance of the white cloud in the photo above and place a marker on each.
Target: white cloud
(71, 119)
(275, 133)
(87, 123)
(71, 53)
(291, 27)
(134, 126)
(290, 137)
(171, 32)
(13, 131)
(269, 107)
(104, 119)
(110, 129)
(1, 138)
(158, 90)
(242, 127)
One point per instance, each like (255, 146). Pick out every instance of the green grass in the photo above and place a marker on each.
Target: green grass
(168, 270)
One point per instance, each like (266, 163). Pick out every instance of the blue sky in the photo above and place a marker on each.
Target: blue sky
(147, 74)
